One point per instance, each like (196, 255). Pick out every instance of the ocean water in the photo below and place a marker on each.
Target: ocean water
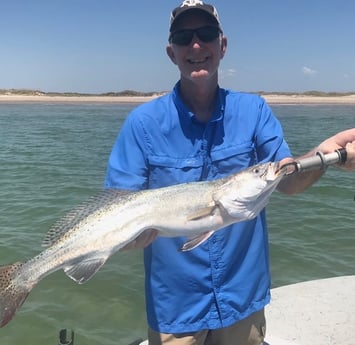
(53, 156)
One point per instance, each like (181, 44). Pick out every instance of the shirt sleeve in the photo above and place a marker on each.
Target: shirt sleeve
(270, 142)
(127, 166)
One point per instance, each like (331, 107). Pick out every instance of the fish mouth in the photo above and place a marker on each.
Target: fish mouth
(280, 171)
(274, 172)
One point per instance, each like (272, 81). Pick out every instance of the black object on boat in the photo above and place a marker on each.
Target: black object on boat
(63, 339)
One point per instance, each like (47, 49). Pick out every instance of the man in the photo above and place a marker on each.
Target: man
(216, 293)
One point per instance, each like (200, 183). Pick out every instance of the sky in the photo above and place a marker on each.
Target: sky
(98, 46)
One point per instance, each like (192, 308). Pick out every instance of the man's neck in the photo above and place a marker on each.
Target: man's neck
(200, 99)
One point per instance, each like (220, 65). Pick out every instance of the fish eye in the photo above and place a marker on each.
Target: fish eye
(256, 170)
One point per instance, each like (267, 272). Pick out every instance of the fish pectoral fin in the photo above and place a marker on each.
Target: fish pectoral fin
(82, 271)
(203, 212)
(196, 241)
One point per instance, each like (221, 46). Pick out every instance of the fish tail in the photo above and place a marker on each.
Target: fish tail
(12, 295)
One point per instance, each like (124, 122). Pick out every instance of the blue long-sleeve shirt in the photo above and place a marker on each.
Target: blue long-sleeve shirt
(162, 143)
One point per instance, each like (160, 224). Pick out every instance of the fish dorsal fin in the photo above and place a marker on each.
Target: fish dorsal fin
(201, 213)
(196, 241)
(82, 271)
(74, 217)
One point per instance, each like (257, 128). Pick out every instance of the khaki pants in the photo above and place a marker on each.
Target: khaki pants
(250, 331)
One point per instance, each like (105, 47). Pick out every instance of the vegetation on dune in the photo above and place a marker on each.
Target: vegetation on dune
(21, 92)
(132, 93)
(125, 93)
(309, 93)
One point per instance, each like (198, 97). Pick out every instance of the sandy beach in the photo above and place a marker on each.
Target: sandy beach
(302, 99)
(271, 99)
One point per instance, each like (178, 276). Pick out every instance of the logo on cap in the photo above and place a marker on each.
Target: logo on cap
(191, 3)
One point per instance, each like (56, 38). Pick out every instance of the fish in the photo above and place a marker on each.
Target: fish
(81, 242)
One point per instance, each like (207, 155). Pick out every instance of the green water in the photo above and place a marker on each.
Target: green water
(53, 156)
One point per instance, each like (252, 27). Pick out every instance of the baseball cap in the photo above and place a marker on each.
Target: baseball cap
(189, 5)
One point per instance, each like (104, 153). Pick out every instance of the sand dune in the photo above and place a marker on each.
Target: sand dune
(270, 98)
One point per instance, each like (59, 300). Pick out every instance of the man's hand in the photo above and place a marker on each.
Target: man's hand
(344, 139)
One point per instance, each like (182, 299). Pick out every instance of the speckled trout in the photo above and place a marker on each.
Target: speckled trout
(82, 241)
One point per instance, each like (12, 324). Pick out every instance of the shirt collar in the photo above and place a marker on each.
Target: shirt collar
(218, 112)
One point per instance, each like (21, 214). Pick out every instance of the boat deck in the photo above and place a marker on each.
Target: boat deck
(315, 312)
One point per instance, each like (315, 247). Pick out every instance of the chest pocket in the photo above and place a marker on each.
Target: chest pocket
(234, 158)
(166, 171)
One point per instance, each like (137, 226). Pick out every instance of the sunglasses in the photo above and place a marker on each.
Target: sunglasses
(184, 37)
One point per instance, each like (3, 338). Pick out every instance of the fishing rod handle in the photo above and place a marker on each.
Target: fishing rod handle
(321, 161)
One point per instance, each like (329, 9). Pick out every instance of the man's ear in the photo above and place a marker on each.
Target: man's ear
(223, 46)
(170, 52)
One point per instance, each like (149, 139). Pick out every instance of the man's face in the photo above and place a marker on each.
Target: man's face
(198, 60)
